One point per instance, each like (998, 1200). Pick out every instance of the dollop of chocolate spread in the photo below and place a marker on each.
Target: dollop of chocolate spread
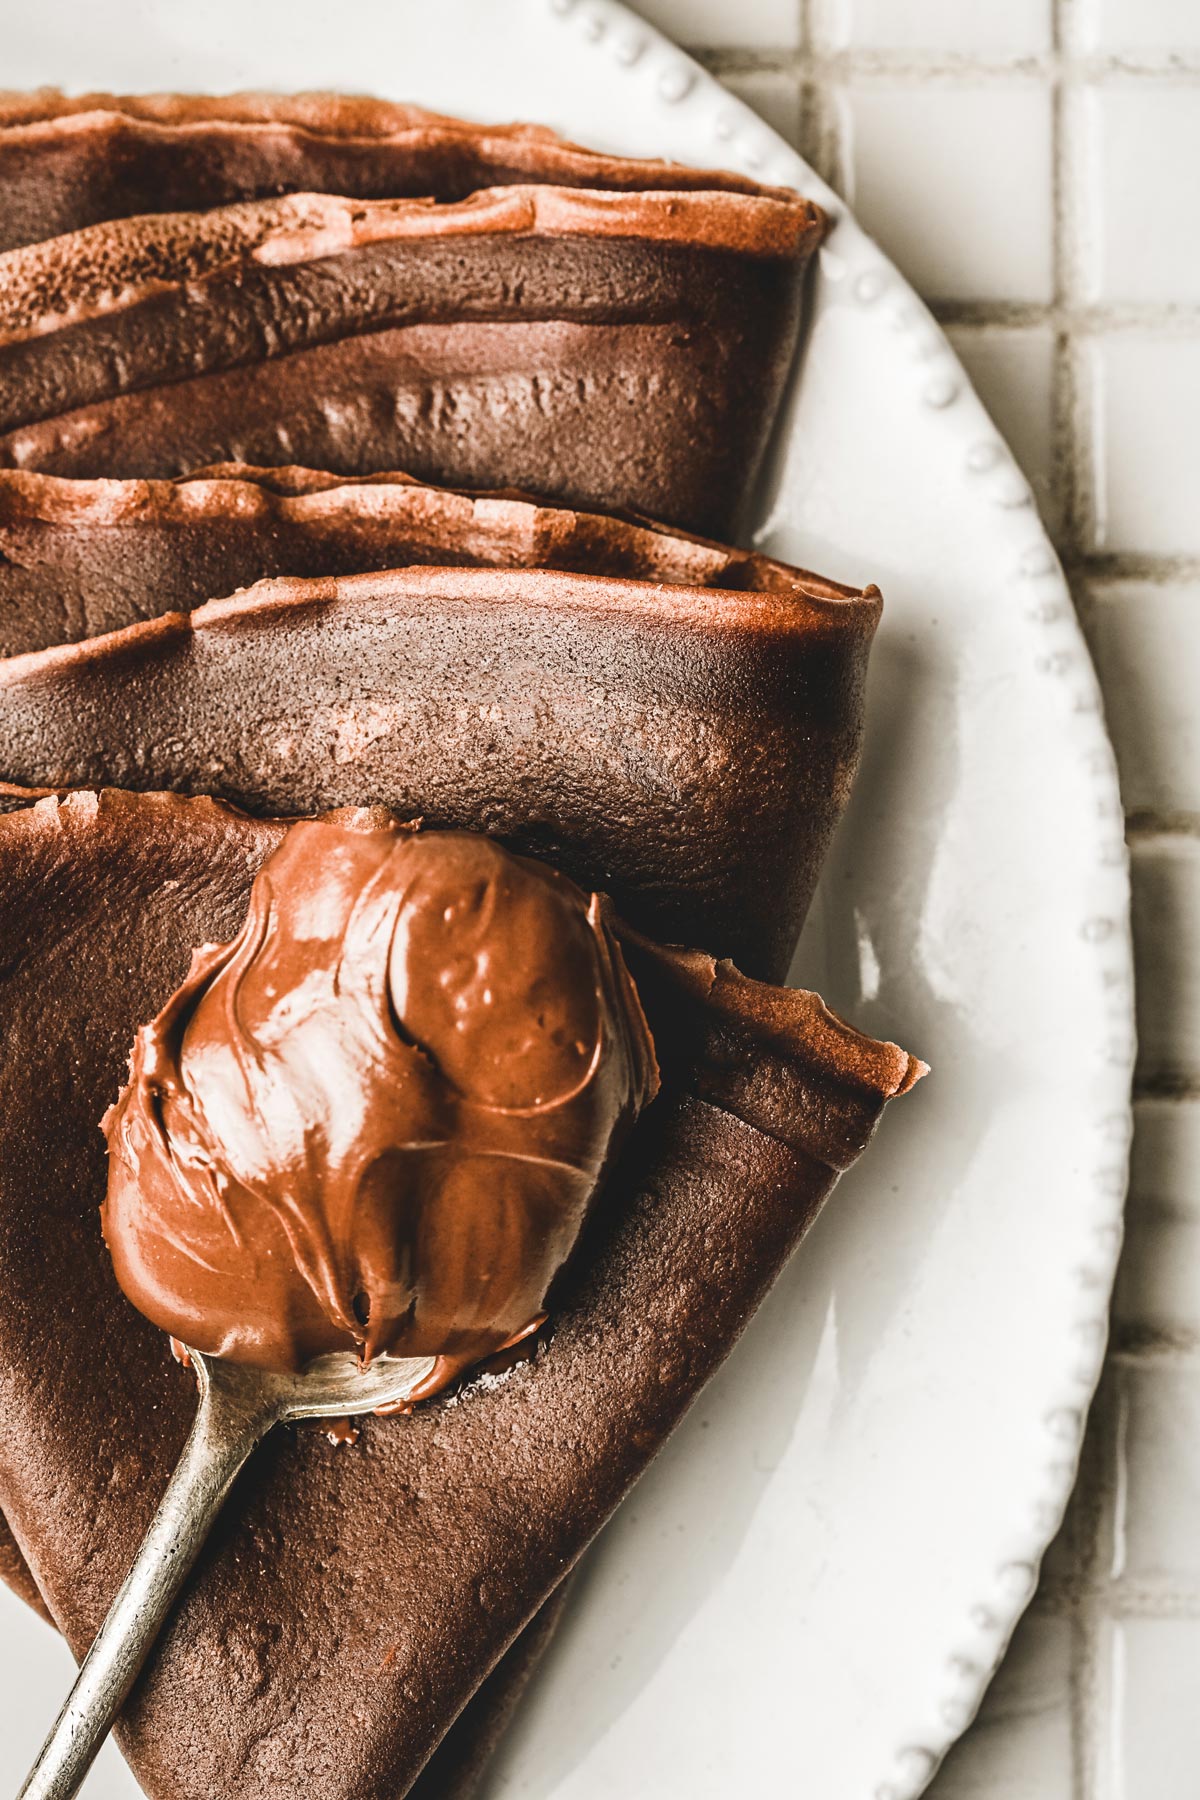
(377, 1120)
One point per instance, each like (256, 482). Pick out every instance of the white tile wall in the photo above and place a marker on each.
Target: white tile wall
(1145, 637)
(1013, 26)
(1142, 195)
(1166, 30)
(1158, 1288)
(1032, 165)
(954, 181)
(1144, 391)
(1166, 931)
(1155, 1477)
(1155, 1725)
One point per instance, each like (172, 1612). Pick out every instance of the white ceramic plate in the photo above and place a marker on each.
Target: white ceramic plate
(808, 1591)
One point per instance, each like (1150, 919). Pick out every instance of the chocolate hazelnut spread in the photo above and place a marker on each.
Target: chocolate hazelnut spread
(377, 1119)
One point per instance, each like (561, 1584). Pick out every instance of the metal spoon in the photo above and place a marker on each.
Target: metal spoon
(238, 1406)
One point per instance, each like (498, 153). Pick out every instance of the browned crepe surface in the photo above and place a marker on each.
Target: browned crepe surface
(408, 356)
(81, 558)
(562, 324)
(67, 162)
(688, 751)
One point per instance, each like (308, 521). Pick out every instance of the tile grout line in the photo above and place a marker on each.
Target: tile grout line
(1147, 823)
(1073, 423)
(1102, 568)
(1172, 1089)
(1182, 317)
(1143, 1344)
(827, 64)
(1058, 1597)
(1064, 444)
(823, 137)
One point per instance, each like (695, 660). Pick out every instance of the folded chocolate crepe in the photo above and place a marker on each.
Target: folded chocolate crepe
(689, 750)
(350, 1602)
(619, 346)
(82, 558)
(68, 161)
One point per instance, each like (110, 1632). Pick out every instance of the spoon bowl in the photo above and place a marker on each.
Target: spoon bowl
(328, 1387)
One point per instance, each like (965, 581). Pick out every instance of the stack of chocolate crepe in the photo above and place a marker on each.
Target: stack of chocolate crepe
(226, 325)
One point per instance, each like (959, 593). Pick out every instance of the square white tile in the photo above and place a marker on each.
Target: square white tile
(1145, 154)
(1154, 1737)
(775, 97)
(1012, 369)
(750, 24)
(1166, 1156)
(1158, 1283)
(1144, 393)
(1166, 934)
(1145, 639)
(1024, 1724)
(1159, 27)
(954, 179)
(1155, 1478)
(1009, 27)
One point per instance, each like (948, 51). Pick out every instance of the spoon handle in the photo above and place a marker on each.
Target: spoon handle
(227, 1427)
